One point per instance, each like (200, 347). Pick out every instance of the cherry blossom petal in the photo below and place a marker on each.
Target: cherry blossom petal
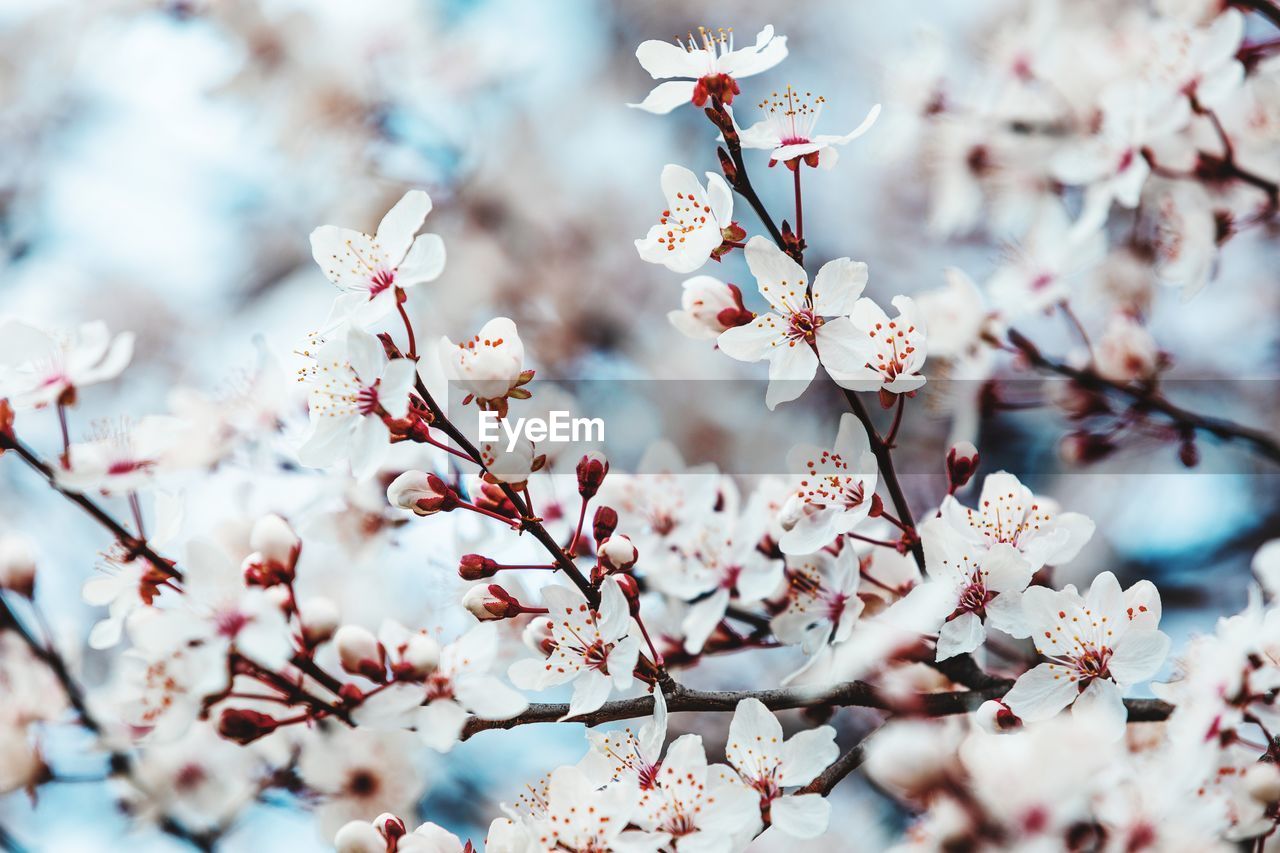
(792, 367)
(838, 284)
(802, 816)
(425, 261)
(753, 341)
(1100, 705)
(1138, 655)
(488, 698)
(665, 59)
(440, 724)
(702, 618)
(754, 744)
(395, 232)
(665, 97)
(806, 754)
(590, 690)
(781, 280)
(1005, 570)
(960, 635)
(1041, 693)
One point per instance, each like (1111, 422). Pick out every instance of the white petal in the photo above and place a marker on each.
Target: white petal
(807, 754)
(753, 341)
(395, 232)
(702, 618)
(665, 97)
(1101, 705)
(837, 284)
(802, 816)
(780, 278)
(1041, 693)
(424, 262)
(488, 698)
(960, 635)
(440, 724)
(666, 59)
(791, 368)
(1138, 655)
(589, 692)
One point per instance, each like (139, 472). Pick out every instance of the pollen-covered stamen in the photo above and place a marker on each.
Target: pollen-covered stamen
(1093, 663)
(1006, 519)
(439, 686)
(829, 482)
(686, 216)
(336, 389)
(973, 599)
(717, 42)
(895, 345)
(380, 278)
(793, 115)
(803, 325)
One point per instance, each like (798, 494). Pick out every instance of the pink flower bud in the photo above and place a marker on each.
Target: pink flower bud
(359, 836)
(275, 541)
(592, 469)
(391, 827)
(604, 523)
(422, 655)
(320, 619)
(962, 464)
(425, 494)
(631, 589)
(617, 553)
(474, 567)
(994, 716)
(488, 602)
(538, 636)
(244, 726)
(360, 652)
(17, 565)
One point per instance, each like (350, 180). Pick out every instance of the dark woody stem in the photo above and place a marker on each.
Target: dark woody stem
(1146, 398)
(739, 179)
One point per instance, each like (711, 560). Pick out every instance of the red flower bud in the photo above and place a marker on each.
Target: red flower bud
(592, 469)
(244, 726)
(474, 567)
(604, 523)
(962, 464)
(631, 589)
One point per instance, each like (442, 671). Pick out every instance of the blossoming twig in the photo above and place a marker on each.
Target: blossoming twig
(1148, 399)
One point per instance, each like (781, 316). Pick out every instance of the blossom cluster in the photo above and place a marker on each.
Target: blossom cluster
(250, 659)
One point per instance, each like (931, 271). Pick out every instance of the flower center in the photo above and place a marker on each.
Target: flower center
(792, 115)
(804, 325)
(1093, 664)
(380, 281)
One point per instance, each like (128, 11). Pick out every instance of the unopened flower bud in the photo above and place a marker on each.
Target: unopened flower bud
(17, 565)
(1262, 781)
(962, 464)
(631, 589)
(244, 726)
(474, 567)
(320, 619)
(538, 636)
(592, 469)
(274, 539)
(360, 652)
(359, 836)
(425, 494)
(421, 655)
(604, 523)
(488, 602)
(617, 552)
(391, 827)
(994, 716)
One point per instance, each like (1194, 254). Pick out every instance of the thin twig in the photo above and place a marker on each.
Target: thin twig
(1148, 399)
(850, 761)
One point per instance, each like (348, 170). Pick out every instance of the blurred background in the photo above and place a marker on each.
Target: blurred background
(163, 163)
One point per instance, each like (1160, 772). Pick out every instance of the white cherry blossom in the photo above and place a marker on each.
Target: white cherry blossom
(804, 326)
(692, 225)
(371, 270)
(770, 765)
(1009, 513)
(822, 604)
(125, 457)
(40, 368)
(969, 588)
(1050, 261)
(488, 366)
(835, 489)
(788, 125)
(1095, 651)
(884, 354)
(351, 387)
(708, 65)
(709, 306)
(595, 649)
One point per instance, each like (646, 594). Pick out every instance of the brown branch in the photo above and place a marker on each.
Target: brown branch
(133, 545)
(1145, 398)
(849, 694)
(1265, 8)
(740, 181)
(883, 452)
(850, 761)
